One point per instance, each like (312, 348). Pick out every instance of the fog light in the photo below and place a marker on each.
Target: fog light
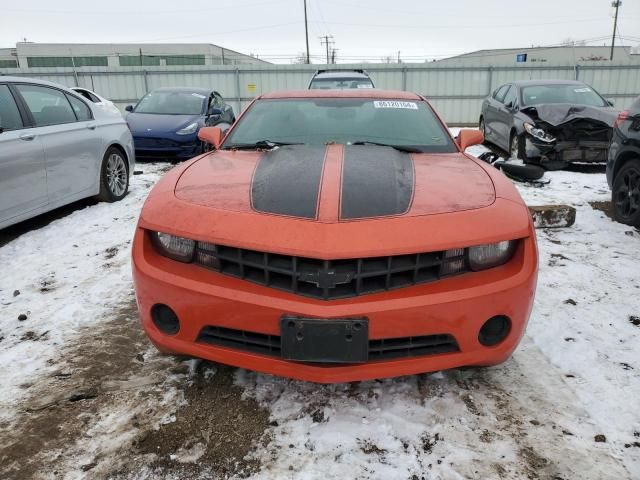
(165, 319)
(494, 330)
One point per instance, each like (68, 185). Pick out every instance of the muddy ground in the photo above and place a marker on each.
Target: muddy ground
(114, 369)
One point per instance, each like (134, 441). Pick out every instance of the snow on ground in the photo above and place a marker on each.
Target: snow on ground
(565, 406)
(68, 275)
(575, 376)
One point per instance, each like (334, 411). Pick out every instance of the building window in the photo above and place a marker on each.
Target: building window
(138, 60)
(67, 61)
(8, 64)
(90, 61)
(184, 59)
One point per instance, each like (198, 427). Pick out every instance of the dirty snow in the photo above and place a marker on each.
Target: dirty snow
(69, 273)
(574, 380)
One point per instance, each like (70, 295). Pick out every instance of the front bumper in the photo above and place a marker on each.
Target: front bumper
(167, 148)
(586, 151)
(457, 306)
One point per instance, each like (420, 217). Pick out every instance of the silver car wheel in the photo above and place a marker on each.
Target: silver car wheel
(116, 175)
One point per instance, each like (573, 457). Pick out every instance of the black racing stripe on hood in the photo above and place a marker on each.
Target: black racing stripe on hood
(287, 179)
(376, 182)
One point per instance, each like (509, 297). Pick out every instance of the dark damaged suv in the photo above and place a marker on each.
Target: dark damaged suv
(623, 167)
(549, 122)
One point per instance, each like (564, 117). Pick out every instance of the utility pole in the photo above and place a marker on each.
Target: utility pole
(327, 40)
(333, 55)
(306, 30)
(616, 4)
(399, 57)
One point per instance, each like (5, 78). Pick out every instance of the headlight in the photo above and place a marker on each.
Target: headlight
(176, 248)
(538, 133)
(189, 129)
(490, 255)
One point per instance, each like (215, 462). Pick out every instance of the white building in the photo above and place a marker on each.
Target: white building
(539, 56)
(29, 55)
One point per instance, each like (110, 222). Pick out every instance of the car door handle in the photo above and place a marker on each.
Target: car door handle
(27, 136)
(91, 126)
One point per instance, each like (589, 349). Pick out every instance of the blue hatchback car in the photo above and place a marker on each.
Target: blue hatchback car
(165, 122)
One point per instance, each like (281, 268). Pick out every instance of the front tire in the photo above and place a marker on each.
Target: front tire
(114, 176)
(483, 129)
(625, 194)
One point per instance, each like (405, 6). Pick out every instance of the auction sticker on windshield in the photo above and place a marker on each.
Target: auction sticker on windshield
(395, 104)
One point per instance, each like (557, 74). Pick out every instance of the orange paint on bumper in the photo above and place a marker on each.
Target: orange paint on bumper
(457, 306)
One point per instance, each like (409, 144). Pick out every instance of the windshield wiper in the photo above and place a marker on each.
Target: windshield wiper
(400, 148)
(258, 144)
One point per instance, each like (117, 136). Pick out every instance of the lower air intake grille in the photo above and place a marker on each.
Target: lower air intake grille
(382, 349)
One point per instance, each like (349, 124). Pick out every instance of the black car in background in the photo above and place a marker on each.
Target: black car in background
(623, 166)
(549, 122)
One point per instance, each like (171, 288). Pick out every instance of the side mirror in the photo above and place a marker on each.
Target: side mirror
(129, 108)
(468, 137)
(509, 105)
(215, 111)
(211, 135)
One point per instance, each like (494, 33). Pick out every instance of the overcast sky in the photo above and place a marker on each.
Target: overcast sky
(362, 30)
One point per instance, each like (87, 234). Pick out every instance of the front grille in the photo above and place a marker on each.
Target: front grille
(382, 349)
(330, 279)
(154, 142)
(241, 340)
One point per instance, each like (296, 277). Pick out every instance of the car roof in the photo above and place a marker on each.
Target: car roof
(529, 83)
(203, 91)
(341, 74)
(348, 93)
(9, 79)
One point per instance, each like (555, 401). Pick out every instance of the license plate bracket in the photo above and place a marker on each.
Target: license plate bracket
(324, 340)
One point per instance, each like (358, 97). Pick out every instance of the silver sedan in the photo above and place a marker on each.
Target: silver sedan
(56, 148)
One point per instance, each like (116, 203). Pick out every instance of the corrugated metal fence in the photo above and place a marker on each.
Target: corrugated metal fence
(456, 91)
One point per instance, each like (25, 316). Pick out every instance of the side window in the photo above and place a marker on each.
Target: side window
(499, 93)
(88, 95)
(80, 108)
(47, 105)
(219, 100)
(10, 118)
(510, 96)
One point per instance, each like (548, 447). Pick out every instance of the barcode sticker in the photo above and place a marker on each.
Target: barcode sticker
(395, 104)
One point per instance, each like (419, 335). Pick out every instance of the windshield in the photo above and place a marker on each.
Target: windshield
(316, 121)
(171, 103)
(572, 93)
(340, 83)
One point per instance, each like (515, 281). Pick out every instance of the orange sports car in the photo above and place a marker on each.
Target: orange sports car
(334, 236)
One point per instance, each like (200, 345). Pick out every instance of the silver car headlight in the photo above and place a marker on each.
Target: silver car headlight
(188, 130)
(490, 255)
(176, 248)
(538, 133)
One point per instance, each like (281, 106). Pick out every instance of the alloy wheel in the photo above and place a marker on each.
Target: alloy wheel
(627, 195)
(116, 175)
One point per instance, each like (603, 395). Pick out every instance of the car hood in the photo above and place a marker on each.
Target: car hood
(151, 124)
(558, 114)
(336, 183)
